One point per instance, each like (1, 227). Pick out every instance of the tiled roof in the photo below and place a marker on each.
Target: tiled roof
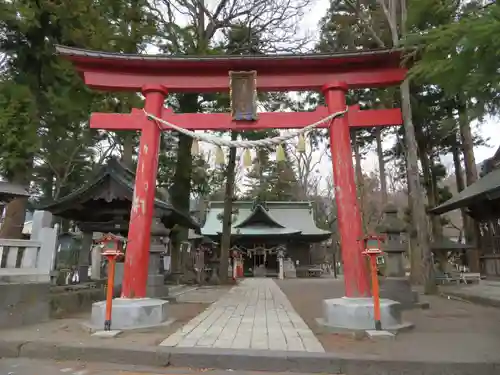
(10, 191)
(283, 218)
(484, 189)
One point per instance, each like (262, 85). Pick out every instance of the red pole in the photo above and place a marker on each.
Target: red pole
(375, 291)
(141, 215)
(109, 292)
(349, 218)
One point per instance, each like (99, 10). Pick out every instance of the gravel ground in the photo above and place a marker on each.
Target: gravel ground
(22, 366)
(70, 330)
(450, 329)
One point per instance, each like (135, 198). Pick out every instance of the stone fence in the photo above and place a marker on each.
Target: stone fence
(30, 261)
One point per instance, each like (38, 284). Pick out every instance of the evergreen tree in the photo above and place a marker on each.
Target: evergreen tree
(48, 104)
(461, 53)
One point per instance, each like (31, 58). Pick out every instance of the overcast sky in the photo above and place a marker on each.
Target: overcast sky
(489, 129)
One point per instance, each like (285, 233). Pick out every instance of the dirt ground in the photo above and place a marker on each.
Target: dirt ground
(451, 329)
(71, 330)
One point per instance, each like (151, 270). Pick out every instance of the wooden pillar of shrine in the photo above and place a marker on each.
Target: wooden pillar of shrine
(349, 217)
(141, 216)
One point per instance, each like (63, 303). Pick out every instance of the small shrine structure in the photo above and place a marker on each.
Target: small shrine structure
(104, 205)
(395, 285)
(9, 191)
(481, 201)
(260, 229)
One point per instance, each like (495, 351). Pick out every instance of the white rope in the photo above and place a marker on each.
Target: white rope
(266, 142)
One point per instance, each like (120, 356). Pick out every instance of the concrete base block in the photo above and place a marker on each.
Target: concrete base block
(107, 334)
(380, 335)
(357, 314)
(131, 313)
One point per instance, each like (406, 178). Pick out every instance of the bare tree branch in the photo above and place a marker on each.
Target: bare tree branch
(366, 22)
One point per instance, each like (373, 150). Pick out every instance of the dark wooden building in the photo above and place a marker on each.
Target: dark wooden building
(481, 201)
(104, 203)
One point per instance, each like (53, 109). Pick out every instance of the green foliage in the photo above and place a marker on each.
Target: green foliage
(461, 52)
(18, 127)
(271, 180)
(48, 104)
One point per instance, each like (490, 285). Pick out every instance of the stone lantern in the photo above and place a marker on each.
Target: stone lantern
(155, 287)
(396, 286)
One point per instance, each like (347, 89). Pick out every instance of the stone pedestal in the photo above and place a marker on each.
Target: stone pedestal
(41, 219)
(96, 263)
(356, 314)
(399, 289)
(84, 255)
(119, 272)
(155, 287)
(131, 313)
(289, 271)
(396, 286)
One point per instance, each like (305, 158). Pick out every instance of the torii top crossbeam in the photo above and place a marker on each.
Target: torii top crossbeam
(156, 76)
(117, 71)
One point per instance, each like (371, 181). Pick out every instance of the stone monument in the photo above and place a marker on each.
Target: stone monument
(396, 285)
(156, 287)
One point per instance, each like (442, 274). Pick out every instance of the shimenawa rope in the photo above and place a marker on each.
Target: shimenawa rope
(266, 142)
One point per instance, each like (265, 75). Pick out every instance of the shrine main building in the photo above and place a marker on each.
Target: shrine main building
(260, 229)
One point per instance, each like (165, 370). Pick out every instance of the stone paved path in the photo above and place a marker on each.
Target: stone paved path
(256, 314)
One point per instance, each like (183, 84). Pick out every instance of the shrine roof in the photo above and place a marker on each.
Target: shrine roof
(262, 231)
(210, 73)
(110, 193)
(263, 219)
(259, 217)
(243, 62)
(9, 191)
(485, 190)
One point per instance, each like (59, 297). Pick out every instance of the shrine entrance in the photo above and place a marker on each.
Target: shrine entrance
(260, 262)
(333, 75)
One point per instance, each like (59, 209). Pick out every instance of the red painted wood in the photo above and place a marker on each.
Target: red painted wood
(141, 216)
(277, 63)
(349, 217)
(223, 121)
(118, 72)
(218, 81)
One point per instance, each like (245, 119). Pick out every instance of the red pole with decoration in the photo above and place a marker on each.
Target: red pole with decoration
(372, 245)
(113, 246)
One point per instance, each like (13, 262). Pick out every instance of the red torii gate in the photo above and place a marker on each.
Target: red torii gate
(156, 76)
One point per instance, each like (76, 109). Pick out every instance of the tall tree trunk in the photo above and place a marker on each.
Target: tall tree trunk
(180, 194)
(381, 165)
(432, 199)
(467, 144)
(470, 177)
(128, 144)
(421, 250)
(225, 244)
(431, 190)
(459, 179)
(358, 169)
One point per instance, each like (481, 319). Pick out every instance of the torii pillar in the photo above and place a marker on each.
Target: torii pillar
(349, 217)
(142, 213)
